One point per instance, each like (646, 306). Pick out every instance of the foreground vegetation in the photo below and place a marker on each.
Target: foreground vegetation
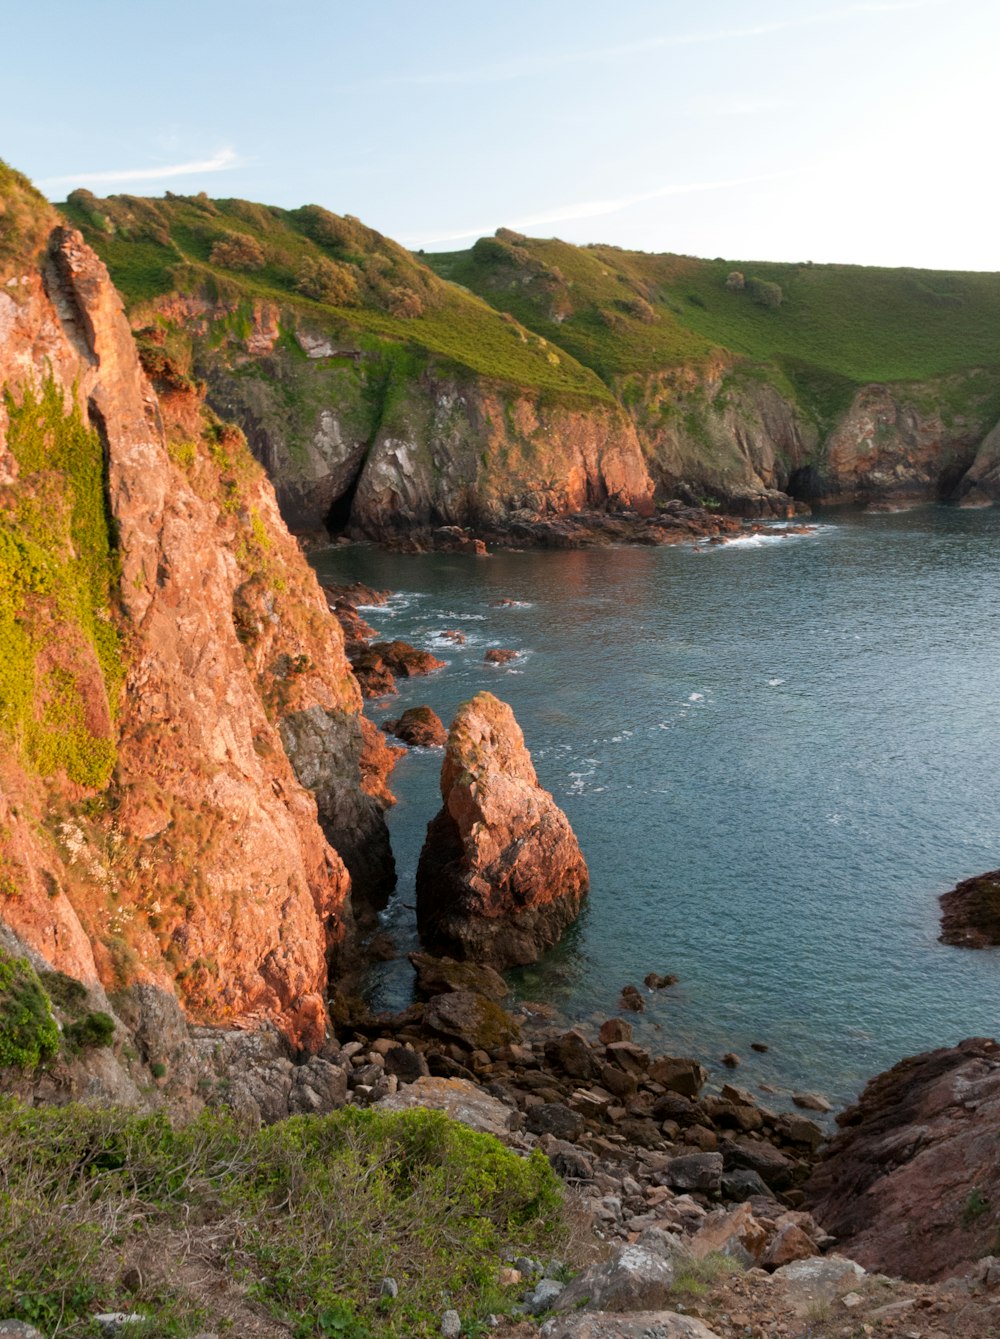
(261, 1231)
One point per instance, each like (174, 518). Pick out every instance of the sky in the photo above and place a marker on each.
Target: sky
(795, 130)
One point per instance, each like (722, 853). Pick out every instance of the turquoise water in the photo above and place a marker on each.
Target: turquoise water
(775, 755)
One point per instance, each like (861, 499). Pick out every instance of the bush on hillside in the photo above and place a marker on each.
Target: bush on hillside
(764, 293)
(237, 251)
(326, 281)
(28, 1032)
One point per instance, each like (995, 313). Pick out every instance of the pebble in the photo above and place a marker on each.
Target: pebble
(451, 1325)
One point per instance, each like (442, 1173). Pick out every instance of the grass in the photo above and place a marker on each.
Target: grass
(218, 1224)
(58, 574)
(838, 326)
(155, 247)
(695, 1278)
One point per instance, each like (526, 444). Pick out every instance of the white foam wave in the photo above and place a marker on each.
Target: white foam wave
(776, 683)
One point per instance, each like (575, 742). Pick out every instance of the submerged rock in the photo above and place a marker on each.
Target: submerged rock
(500, 875)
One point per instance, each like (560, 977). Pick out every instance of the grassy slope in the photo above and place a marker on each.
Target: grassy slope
(296, 1224)
(838, 326)
(155, 247)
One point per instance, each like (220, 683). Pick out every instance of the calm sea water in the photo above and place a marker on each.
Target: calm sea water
(775, 755)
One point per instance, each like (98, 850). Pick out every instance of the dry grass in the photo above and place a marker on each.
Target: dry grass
(286, 1230)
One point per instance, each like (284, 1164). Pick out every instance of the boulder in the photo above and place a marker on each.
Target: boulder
(636, 1325)
(554, 1118)
(770, 1164)
(500, 655)
(631, 1279)
(406, 1064)
(910, 1183)
(404, 660)
(435, 976)
(500, 874)
(420, 727)
(735, 1233)
(683, 1076)
(458, 1098)
(695, 1171)
(473, 1019)
(571, 1054)
(615, 1029)
(970, 913)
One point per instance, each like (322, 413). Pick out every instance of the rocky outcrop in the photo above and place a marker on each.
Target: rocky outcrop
(893, 443)
(420, 727)
(911, 1183)
(712, 432)
(970, 913)
(201, 868)
(500, 875)
(980, 485)
(464, 454)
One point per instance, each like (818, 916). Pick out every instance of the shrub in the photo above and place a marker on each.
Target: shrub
(641, 310)
(94, 1029)
(326, 281)
(28, 1032)
(237, 251)
(764, 293)
(404, 302)
(735, 282)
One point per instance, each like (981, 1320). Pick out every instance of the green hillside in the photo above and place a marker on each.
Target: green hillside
(828, 328)
(329, 271)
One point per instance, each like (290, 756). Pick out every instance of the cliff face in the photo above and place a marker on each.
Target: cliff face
(387, 393)
(896, 442)
(153, 825)
(385, 445)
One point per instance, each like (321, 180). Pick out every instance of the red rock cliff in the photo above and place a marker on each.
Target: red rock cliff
(201, 866)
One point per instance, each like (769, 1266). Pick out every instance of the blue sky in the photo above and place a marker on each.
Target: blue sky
(770, 129)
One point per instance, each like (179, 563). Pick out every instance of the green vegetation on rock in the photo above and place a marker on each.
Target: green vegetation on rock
(25, 220)
(61, 664)
(303, 1219)
(825, 329)
(328, 272)
(28, 1032)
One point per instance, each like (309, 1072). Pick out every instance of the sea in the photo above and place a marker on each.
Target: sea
(776, 753)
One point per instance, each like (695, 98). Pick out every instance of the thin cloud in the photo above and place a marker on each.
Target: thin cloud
(220, 162)
(725, 105)
(524, 66)
(590, 209)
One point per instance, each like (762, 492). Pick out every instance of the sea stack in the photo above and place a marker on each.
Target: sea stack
(501, 875)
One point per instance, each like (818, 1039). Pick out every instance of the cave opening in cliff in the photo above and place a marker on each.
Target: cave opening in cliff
(338, 518)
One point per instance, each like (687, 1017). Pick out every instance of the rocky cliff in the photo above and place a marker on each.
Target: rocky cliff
(383, 397)
(172, 679)
(910, 1184)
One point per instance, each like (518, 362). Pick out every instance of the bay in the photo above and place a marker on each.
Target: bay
(775, 753)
